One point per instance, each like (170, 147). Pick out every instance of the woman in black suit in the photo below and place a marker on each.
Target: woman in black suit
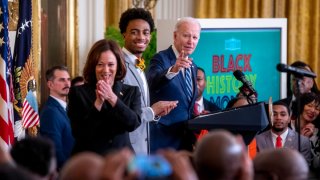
(103, 110)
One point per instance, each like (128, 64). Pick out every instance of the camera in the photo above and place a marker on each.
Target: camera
(153, 167)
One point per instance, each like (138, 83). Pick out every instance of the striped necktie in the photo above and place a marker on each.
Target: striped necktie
(188, 82)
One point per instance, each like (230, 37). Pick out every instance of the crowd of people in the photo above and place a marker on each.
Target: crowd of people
(122, 121)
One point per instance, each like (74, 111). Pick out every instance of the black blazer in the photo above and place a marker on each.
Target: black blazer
(105, 130)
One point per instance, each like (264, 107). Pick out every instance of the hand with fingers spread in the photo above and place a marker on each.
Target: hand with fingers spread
(162, 108)
(183, 61)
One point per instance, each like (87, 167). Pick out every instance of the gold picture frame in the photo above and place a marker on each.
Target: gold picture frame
(72, 38)
(13, 7)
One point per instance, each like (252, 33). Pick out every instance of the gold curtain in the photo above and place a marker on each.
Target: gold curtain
(303, 22)
(36, 43)
(114, 8)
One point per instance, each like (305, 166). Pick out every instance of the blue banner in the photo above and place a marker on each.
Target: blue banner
(254, 51)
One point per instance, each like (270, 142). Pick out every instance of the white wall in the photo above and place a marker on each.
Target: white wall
(166, 14)
(173, 9)
(91, 16)
(12, 37)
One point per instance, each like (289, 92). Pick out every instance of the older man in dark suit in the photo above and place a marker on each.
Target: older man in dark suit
(172, 76)
(280, 136)
(54, 122)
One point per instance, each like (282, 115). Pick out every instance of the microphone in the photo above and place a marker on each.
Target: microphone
(295, 71)
(240, 77)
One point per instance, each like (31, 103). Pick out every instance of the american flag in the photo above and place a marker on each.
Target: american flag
(29, 117)
(25, 106)
(6, 90)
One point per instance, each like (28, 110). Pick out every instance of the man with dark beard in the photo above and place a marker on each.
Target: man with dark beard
(280, 136)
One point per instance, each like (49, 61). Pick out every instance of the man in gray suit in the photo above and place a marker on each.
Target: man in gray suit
(280, 136)
(136, 25)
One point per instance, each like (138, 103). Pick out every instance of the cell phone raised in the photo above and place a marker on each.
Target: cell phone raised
(153, 167)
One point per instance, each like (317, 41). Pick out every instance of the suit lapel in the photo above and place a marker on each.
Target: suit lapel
(54, 102)
(137, 77)
(289, 139)
(117, 88)
(268, 140)
(194, 81)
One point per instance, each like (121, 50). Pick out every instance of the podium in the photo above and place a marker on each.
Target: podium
(245, 120)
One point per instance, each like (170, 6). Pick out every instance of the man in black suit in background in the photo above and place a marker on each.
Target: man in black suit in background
(202, 105)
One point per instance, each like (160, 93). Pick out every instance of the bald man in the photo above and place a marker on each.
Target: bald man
(284, 164)
(85, 166)
(221, 155)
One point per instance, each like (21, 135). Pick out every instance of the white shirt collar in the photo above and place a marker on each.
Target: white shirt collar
(200, 102)
(131, 56)
(283, 136)
(201, 105)
(61, 102)
(175, 50)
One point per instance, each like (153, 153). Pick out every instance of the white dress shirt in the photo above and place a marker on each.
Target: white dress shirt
(283, 137)
(200, 104)
(61, 102)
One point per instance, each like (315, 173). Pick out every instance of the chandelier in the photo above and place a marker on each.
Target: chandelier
(146, 4)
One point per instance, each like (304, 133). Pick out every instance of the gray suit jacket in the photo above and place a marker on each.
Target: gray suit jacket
(264, 141)
(139, 138)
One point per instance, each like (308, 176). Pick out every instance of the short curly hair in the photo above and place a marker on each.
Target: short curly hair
(132, 14)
